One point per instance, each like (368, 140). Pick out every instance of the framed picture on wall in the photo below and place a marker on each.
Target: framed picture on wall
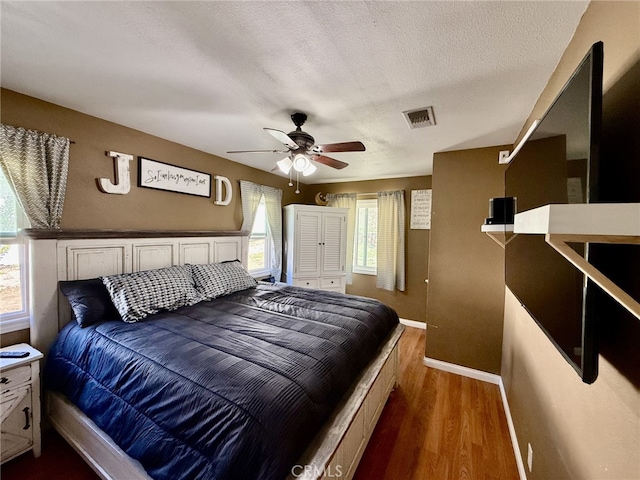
(420, 209)
(164, 176)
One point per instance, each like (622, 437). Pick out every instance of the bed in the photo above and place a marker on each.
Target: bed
(317, 366)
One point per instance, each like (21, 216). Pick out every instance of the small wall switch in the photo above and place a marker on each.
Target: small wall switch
(529, 457)
(503, 157)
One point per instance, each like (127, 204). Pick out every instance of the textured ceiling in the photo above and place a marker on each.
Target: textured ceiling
(211, 74)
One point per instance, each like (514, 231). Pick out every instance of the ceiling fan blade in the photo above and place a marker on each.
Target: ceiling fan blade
(340, 147)
(330, 162)
(283, 137)
(258, 151)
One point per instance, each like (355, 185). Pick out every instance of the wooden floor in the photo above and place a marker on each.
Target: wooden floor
(435, 426)
(438, 426)
(58, 462)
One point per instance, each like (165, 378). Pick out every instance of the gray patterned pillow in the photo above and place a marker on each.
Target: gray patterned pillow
(217, 279)
(137, 295)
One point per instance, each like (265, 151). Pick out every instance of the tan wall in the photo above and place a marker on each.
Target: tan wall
(142, 208)
(578, 430)
(11, 338)
(466, 267)
(412, 303)
(86, 207)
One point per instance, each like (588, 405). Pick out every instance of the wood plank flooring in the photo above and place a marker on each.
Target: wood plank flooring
(435, 426)
(58, 462)
(438, 426)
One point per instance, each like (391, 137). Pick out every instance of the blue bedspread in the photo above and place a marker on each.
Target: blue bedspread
(235, 388)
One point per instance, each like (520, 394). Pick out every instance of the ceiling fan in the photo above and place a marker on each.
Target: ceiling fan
(302, 149)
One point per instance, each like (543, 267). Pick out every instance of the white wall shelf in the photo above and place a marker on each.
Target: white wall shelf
(586, 223)
(502, 233)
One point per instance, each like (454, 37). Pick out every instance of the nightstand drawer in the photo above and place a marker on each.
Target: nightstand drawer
(14, 377)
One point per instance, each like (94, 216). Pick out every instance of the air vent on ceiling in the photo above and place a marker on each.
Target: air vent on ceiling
(420, 117)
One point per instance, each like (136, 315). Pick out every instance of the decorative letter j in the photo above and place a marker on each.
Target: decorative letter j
(123, 183)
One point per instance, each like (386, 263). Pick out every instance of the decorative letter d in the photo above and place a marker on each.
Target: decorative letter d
(219, 181)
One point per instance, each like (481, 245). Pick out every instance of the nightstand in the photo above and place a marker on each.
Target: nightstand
(20, 403)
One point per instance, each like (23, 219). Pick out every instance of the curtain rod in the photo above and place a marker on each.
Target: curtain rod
(362, 194)
(342, 193)
(376, 193)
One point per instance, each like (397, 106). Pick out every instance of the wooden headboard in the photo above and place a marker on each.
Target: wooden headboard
(64, 255)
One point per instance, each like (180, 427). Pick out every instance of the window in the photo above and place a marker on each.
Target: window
(260, 244)
(366, 237)
(14, 284)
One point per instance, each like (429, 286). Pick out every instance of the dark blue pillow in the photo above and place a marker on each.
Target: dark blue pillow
(90, 301)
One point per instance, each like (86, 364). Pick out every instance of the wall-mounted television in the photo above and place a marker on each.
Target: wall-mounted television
(558, 163)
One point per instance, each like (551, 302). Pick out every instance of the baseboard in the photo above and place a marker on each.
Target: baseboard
(512, 432)
(489, 378)
(413, 323)
(464, 371)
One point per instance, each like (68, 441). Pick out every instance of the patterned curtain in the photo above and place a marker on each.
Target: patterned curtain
(347, 200)
(391, 261)
(251, 194)
(35, 165)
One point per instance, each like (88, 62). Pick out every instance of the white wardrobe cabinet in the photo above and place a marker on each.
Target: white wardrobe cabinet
(315, 246)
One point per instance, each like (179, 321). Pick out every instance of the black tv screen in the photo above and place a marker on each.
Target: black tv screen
(558, 163)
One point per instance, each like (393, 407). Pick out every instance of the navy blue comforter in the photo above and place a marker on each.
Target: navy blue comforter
(235, 388)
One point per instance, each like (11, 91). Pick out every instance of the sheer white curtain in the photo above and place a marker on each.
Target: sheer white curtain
(35, 165)
(347, 200)
(251, 194)
(273, 204)
(391, 221)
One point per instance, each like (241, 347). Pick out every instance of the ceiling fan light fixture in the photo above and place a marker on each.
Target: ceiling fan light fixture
(309, 170)
(301, 162)
(285, 165)
(302, 150)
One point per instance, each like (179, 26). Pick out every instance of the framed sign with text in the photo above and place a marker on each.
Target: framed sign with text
(421, 209)
(163, 176)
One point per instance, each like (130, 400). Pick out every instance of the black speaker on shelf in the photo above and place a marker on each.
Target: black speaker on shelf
(501, 211)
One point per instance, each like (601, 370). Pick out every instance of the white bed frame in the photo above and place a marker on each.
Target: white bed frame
(60, 255)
